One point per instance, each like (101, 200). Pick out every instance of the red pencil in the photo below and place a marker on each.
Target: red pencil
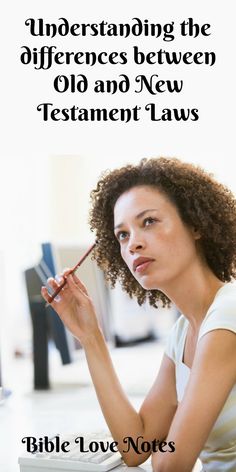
(54, 294)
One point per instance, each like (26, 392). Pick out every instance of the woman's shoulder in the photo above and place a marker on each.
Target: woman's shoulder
(178, 328)
(176, 336)
(222, 312)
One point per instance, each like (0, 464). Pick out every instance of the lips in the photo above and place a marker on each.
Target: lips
(141, 263)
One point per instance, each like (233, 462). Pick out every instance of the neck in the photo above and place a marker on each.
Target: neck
(193, 293)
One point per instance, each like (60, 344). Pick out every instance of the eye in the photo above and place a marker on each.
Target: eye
(121, 235)
(149, 221)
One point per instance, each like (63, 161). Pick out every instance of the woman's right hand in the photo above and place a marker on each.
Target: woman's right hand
(74, 307)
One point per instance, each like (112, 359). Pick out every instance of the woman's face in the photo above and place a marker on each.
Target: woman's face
(154, 242)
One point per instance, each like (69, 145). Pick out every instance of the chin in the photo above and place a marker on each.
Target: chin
(147, 283)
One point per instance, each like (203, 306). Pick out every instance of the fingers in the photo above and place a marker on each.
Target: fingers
(65, 272)
(44, 293)
(59, 278)
(52, 285)
(73, 283)
(77, 288)
(47, 296)
(80, 284)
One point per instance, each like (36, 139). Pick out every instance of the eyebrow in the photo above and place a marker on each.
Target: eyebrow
(137, 217)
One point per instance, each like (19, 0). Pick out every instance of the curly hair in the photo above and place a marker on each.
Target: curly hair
(201, 201)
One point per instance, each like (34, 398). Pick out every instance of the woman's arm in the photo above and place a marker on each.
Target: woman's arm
(155, 416)
(212, 377)
(76, 310)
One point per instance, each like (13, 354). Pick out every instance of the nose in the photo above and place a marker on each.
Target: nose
(135, 243)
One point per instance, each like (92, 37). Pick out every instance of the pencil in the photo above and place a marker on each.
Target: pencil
(57, 291)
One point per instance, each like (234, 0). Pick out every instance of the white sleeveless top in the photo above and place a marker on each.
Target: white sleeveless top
(219, 452)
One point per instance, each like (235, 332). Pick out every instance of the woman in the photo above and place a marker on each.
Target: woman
(167, 231)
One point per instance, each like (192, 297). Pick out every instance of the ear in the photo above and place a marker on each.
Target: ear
(196, 233)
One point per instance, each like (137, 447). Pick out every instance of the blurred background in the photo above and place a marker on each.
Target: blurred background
(46, 199)
(46, 217)
(48, 170)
